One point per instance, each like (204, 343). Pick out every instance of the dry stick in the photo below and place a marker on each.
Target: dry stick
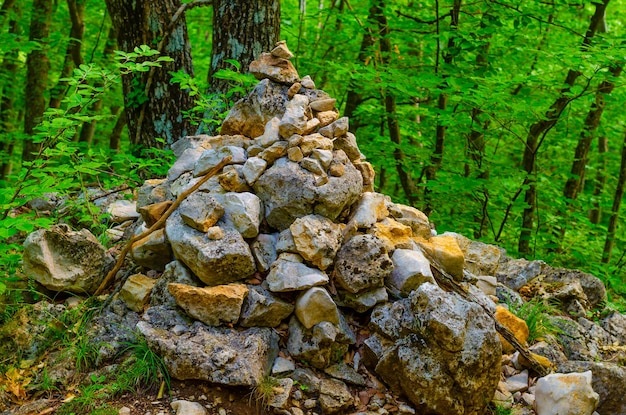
(445, 280)
(158, 224)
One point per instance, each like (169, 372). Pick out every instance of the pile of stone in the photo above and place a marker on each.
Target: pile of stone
(288, 263)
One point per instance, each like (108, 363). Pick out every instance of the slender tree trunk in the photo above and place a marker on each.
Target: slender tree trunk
(600, 180)
(8, 68)
(116, 134)
(242, 30)
(617, 201)
(436, 158)
(153, 104)
(37, 67)
(73, 53)
(538, 131)
(8, 114)
(592, 121)
(378, 12)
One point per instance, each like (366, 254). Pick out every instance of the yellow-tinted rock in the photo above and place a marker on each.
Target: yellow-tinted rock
(542, 360)
(394, 234)
(213, 306)
(152, 213)
(445, 251)
(136, 291)
(515, 324)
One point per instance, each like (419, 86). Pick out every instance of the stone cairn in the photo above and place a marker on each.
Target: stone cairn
(270, 266)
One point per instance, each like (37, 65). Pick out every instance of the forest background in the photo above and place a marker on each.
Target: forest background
(502, 120)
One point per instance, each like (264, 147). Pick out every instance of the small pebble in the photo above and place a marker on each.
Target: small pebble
(124, 411)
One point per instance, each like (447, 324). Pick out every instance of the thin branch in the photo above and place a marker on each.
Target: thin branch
(508, 6)
(158, 224)
(418, 20)
(447, 282)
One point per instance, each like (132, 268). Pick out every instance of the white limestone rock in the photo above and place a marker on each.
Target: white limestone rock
(287, 275)
(317, 239)
(570, 393)
(410, 270)
(314, 306)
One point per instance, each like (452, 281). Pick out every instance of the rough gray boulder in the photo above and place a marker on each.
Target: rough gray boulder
(213, 261)
(215, 354)
(64, 260)
(439, 350)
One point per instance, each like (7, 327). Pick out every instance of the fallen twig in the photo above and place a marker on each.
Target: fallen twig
(159, 224)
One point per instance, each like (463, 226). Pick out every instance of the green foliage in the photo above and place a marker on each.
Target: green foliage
(264, 391)
(500, 69)
(499, 409)
(144, 370)
(537, 314)
(211, 109)
(90, 399)
(66, 168)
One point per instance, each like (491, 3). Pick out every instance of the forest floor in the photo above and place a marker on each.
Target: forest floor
(217, 400)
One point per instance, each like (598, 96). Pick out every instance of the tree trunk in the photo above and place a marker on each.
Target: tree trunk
(596, 212)
(592, 121)
(242, 29)
(153, 104)
(540, 129)
(114, 139)
(617, 201)
(8, 116)
(436, 158)
(377, 12)
(73, 53)
(37, 67)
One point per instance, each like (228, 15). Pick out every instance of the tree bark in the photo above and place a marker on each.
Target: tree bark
(116, 134)
(600, 180)
(153, 105)
(242, 29)
(592, 121)
(37, 67)
(540, 129)
(8, 116)
(436, 158)
(73, 53)
(617, 201)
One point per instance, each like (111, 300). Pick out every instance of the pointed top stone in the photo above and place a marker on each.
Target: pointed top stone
(281, 50)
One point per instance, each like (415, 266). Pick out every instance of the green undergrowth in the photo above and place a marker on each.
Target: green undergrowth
(53, 340)
(67, 170)
(538, 315)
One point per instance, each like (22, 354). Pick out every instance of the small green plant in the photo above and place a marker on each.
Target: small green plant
(89, 399)
(143, 370)
(537, 315)
(499, 409)
(301, 386)
(264, 391)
